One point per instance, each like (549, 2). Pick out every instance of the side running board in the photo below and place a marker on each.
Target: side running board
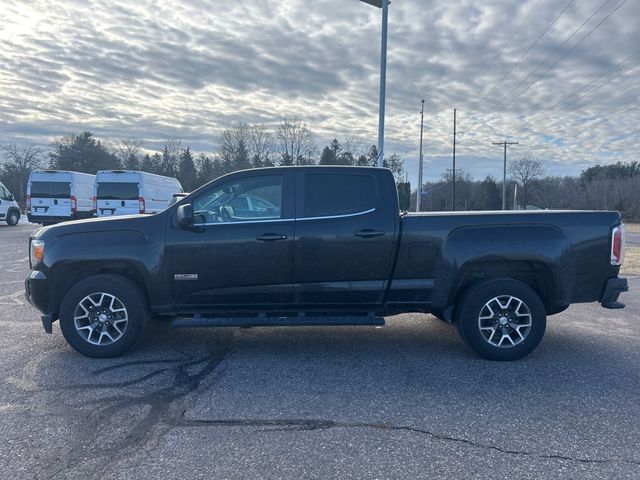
(264, 320)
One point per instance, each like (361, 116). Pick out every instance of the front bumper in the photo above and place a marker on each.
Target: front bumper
(612, 290)
(38, 293)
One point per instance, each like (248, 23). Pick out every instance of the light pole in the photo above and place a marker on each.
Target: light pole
(420, 161)
(384, 5)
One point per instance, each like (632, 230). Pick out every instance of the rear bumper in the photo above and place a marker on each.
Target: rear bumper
(612, 290)
(47, 218)
(38, 293)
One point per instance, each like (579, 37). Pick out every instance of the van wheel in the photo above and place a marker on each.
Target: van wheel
(103, 316)
(501, 319)
(13, 218)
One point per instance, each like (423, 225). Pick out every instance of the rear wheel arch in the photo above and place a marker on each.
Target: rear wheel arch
(536, 275)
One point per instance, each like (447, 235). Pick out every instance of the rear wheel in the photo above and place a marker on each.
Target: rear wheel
(103, 316)
(501, 319)
(12, 218)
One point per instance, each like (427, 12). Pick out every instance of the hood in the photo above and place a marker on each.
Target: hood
(101, 224)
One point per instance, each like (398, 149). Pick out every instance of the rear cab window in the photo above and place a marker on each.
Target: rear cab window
(338, 194)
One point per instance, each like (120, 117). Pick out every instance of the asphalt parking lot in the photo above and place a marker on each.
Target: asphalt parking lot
(408, 400)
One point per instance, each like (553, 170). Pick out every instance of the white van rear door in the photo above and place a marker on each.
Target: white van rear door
(117, 198)
(51, 199)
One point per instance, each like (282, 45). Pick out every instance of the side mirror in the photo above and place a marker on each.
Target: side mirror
(184, 215)
(11, 198)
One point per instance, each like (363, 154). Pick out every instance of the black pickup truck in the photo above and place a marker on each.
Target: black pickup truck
(320, 246)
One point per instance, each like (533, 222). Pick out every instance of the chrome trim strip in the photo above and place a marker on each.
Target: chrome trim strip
(249, 221)
(288, 219)
(337, 216)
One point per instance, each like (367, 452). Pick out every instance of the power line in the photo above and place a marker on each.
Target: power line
(590, 92)
(512, 38)
(526, 52)
(554, 52)
(587, 35)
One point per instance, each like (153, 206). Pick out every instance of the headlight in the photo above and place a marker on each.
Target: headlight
(36, 252)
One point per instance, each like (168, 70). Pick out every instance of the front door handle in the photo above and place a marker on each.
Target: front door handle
(368, 233)
(271, 237)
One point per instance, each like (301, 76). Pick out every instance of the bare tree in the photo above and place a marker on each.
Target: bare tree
(261, 145)
(295, 143)
(525, 171)
(128, 151)
(18, 163)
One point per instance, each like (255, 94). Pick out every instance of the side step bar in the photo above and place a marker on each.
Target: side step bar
(263, 320)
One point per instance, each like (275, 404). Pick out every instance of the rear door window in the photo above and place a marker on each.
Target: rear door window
(117, 191)
(335, 194)
(50, 190)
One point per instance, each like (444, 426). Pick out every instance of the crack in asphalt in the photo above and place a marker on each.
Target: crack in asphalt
(87, 445)
(285, 425)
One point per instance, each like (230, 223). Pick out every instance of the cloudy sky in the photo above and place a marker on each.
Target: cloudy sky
(559, 76)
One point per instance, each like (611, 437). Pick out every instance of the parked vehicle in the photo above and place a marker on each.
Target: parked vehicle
(58, 195)
(330, 248)
(129, 192)
(9, 209)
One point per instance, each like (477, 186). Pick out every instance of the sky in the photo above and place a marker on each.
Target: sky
(561, 77)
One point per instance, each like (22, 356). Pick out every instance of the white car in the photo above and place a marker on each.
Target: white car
(129, 192)
(58, 195)
(9, 209)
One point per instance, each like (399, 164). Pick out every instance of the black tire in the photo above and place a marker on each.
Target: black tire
(481, 299)
(13, 217)
(130, 297)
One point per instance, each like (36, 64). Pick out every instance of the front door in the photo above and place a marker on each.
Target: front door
(230, 260)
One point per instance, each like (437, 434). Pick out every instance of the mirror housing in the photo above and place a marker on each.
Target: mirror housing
(11, 198)
(184, 215)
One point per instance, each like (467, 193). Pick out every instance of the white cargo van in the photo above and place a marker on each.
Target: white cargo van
(59, 195)
(9, 209)
(128, 192)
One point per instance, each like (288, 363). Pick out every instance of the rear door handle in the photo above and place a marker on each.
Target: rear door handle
(368, 233)
(271, 237)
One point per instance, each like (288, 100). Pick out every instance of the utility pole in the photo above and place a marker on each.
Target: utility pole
(420, 164)
(504, 144)
(453, 183)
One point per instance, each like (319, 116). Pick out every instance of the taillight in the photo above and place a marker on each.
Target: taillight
(28, 199)
(74, 204)
(141, 204)
(94, 202)
(617, 245)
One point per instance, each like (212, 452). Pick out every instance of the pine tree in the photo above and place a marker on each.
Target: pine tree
(187, 173)
(82, 153)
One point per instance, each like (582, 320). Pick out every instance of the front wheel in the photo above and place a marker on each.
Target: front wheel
(13, 218)
(501, 319)
(103, 316)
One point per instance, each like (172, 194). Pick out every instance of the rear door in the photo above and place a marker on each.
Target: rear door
(345, 238)
(51, 198)
(117, 198)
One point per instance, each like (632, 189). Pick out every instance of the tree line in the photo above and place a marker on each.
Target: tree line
(239, 147)
(601, 187)
(245, 146)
